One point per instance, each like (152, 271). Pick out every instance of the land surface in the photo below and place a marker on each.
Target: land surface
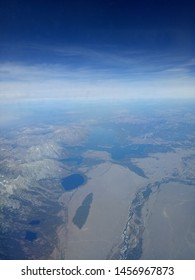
(136, 200)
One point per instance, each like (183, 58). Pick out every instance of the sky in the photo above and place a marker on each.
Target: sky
(90, 49)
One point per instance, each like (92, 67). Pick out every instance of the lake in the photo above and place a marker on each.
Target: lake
(30, 235)
(82, 212)
(73, 181)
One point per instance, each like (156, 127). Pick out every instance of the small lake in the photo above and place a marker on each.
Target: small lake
(30, 235)
(82, 212)
(34, 222)
(73, 181)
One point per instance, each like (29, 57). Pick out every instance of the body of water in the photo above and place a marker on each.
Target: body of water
(34, 222)
(73, 181)
(30, 235)
(82, 212)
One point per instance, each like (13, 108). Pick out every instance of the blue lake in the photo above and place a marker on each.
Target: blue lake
(73, 181)
(34, 222)
(30, 235)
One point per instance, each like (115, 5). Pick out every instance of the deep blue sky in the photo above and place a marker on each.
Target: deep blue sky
(97, 46)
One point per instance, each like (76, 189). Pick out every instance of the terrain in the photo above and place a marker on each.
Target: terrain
(136, 164)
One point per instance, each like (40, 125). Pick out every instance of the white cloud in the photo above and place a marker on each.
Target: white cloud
(146, 79)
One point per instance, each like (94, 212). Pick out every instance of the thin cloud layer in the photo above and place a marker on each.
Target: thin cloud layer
(103, 75)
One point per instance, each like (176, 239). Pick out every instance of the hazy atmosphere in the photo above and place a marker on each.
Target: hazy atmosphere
(97, 49)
